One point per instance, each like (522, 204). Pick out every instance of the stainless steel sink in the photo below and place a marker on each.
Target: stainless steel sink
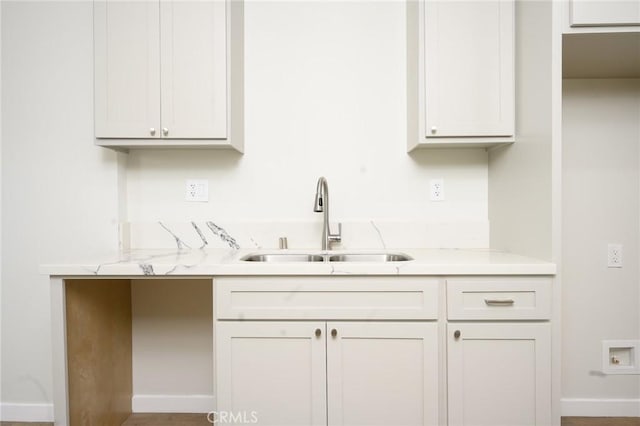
(370, 257)
(328, 257)
(283, 257)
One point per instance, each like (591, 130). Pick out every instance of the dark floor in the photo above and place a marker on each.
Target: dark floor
(601, 421)
(201, 420)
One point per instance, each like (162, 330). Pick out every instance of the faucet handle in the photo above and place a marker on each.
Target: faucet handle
(336, 237)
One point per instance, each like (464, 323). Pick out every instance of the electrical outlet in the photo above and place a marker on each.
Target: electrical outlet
(614, 256)
(436, 189)
(197, 190)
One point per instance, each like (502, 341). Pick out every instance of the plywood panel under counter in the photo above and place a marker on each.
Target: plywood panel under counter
(98, 316)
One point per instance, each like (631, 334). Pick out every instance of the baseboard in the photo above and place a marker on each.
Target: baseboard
(14, 412)
(172, 403)
(581, 407)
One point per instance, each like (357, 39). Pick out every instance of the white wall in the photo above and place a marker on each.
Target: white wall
(601, 196)
(325, 94)
(520, 175)
(59, 191)
(172, 344)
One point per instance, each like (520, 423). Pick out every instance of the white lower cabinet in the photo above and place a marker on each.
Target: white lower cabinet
(274, 372)
(499, 351)
(328, 373)
(382, 373)
(499, 374)
(369, 351)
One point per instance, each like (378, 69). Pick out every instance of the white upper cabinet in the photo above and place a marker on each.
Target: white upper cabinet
(589, 13)
(193, 69)
(127, 72)
(162, 73)
(461, 73)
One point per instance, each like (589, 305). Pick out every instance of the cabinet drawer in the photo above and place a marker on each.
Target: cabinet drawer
(326, 298)
(499, 299)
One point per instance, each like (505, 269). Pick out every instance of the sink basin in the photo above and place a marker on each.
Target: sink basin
(283, 257)
(370, 257)
(336, 257)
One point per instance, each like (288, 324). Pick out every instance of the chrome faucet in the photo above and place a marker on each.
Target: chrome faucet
(322, 205)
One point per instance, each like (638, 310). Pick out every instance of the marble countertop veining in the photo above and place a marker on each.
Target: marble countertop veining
(220, 262)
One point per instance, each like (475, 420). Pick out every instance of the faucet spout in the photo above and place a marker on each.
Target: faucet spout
(321, 205)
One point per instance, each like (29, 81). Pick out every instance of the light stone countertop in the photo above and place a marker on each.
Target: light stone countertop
(226, 262)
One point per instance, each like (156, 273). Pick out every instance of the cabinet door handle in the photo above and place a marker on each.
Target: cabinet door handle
(165, 131)
(499, 302)
(318, 332)
(152, 131)
(334, 332)
(456, 334)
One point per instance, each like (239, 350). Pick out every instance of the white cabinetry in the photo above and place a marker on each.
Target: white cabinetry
(499, 373)
(590, 13)
(162, 73)
(374, 373)
(382, 373)
(328, 372)
(461, 73)
(275, 371)
(371, 350)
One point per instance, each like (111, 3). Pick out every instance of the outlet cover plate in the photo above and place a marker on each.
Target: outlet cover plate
(436, 189)
(197, 190)
(614, 255)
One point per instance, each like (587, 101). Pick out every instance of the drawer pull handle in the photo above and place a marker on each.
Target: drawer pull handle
(456, 334)
(334, 332)
(318, 332)
(499, 302)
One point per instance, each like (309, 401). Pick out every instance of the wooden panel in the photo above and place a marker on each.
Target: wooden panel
(157, 419)
(489, 298)
(601, 421)
(327, 298)
(99, 351)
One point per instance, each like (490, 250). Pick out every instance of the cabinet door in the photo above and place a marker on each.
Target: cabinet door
(194, 69)
(382, 374)
(590, 13)
(127, 69)
(272, 372)
(469, 68)
(499, 374)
